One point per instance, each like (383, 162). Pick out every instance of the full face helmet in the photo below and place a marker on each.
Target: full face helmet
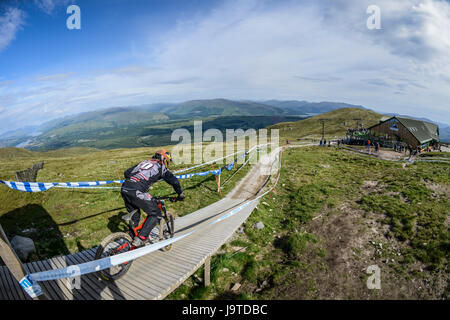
(164, 156)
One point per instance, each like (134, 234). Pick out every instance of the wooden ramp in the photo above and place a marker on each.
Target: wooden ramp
(157, 274)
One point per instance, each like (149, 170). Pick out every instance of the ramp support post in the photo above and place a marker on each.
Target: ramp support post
(13, 262)
(207, 275)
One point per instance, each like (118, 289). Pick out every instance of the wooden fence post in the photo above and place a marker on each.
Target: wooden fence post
(13, 262)
(207, 275)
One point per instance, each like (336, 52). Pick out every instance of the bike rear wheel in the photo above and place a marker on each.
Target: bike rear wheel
(113, 244)
(166, 230)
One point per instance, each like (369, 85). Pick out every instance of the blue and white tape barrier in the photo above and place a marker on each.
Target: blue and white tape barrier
(105, 263)
(43, 186)
(30, 281)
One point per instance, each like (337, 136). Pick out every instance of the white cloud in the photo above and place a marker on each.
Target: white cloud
(318, 51)
(50, 6)
(10, 22)
(45, 5)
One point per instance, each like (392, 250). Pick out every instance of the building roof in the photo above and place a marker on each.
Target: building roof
(423, 131)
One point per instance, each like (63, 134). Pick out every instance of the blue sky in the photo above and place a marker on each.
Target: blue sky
(137, 52)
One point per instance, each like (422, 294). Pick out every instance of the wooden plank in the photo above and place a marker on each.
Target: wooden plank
(41, 266)
(85, 286)
(173, 272)
(189, 255)
(49, 265)
(160, 278)
(138, 271)
(125, 287)
(186, 257)
(90, 251)
(5, 284)
(93, 284)
(147, 289)
(113, 293)
(168, 269)
(88, 255)
(151, 289)
(56, 264)
(199, 249)
(138, 284)
(46, 284)
(3, 291)
(10, 281)
(151, 278)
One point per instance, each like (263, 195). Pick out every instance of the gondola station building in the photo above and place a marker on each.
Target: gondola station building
(416, 134)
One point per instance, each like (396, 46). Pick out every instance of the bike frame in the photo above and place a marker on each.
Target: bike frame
(161, 206)
(168, 221)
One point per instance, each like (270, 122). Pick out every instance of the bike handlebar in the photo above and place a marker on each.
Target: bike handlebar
(170, 198)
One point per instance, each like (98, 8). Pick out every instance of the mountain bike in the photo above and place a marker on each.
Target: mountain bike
(120, 242)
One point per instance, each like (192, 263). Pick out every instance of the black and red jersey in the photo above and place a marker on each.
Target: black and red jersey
(144, 174)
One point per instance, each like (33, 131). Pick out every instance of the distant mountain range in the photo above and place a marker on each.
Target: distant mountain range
(152, 124)
(305, 107)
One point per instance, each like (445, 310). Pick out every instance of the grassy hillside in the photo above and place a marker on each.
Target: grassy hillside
(12, 153)
(332, 215)
(109, 135)
(224, 107)
(337, 123)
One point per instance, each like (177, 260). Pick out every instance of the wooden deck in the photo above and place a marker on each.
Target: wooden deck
(157, 274)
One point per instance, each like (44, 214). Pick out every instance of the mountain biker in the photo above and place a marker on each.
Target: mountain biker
(135, 191)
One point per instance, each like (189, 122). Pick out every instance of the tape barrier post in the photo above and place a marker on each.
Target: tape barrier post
(217, 180)
(17, 269)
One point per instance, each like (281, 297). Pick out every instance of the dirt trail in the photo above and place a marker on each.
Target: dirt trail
(257, 179)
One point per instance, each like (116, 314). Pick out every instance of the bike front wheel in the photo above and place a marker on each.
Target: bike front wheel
(113, 244)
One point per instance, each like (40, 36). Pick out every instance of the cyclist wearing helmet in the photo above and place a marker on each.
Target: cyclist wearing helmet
(135, 191)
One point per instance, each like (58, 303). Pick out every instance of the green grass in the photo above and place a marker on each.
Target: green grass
(315, 181)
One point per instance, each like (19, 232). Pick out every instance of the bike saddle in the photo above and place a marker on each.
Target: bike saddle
(128, 216)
